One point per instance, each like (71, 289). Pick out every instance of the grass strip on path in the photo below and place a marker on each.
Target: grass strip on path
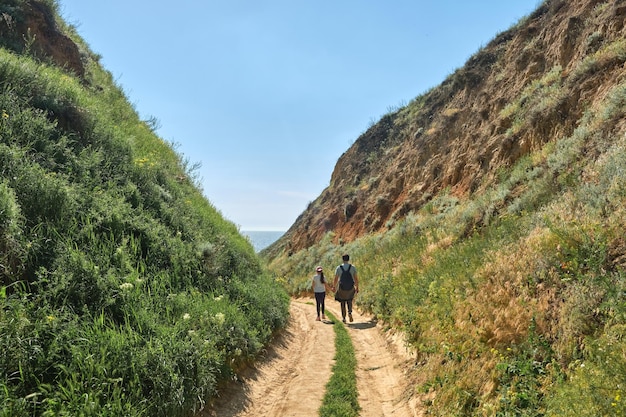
(341, 397)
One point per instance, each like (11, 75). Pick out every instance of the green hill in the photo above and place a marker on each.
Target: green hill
(123, 290)
(486, 219)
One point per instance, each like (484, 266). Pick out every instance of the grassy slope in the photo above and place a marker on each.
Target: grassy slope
(515, 298)
(124, 291)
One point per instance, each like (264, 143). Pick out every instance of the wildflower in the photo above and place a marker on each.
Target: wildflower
(186, 316)
(50, 318)
(5, 115)
(127, 286)
(220, 318)
(218, 298)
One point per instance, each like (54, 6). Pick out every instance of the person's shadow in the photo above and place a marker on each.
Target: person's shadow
(363, 325)
(355, 325)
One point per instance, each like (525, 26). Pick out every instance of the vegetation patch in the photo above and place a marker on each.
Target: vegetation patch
(341, 397)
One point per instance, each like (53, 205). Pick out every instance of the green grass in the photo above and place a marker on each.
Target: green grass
(341, 396)
(123, 291)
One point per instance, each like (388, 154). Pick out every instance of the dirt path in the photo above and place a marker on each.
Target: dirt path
(381, 382)
(291, 378)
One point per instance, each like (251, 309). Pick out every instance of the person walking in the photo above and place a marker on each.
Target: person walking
(319, 286)
(346, 277)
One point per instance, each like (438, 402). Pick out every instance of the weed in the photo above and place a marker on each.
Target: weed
(341, 397)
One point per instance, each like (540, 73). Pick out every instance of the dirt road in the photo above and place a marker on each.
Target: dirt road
(381, 383)
(290, 380)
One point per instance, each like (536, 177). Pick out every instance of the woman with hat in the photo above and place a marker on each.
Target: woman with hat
(319, 286)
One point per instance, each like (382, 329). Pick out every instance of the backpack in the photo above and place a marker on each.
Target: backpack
(346, 282)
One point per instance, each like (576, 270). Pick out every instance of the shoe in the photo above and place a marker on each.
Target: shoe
(350, 317)
(318, 318)
(323, 317)
(343, 319)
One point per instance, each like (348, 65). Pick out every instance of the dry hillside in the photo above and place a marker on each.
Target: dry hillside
(549, 68)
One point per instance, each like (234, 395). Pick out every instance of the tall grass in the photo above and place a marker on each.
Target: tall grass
(123, 290)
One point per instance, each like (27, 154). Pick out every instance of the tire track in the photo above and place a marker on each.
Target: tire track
(291, 378)
(383, 387)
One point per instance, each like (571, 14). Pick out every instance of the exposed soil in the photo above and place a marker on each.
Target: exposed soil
(456, 138)
(291, 377)
(383, 387)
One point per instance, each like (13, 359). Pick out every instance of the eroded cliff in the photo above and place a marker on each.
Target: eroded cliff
(530, 85)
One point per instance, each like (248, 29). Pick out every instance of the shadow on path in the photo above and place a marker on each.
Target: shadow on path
(234, 397)
(362, 325)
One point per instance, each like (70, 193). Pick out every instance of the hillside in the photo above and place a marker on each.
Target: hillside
(123, 290)
(529, 86)
(486, 219)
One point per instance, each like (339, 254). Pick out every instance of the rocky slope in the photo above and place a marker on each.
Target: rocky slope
(530, 85)
(33, 26)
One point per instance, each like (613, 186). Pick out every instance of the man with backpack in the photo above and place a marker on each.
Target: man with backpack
(346, 277)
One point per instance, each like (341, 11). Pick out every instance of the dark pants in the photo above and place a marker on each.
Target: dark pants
(343, 308)
(319, 302)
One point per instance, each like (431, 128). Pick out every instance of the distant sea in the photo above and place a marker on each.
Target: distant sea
(262, 239)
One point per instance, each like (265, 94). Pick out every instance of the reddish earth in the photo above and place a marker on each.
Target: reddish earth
(290, 380)
(456, 138)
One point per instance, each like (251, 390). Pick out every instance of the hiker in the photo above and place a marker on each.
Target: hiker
(346, 276)
(319, 286)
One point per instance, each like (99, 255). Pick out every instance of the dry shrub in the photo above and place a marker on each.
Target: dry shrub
(578, 317)
(511, 294)
(514, 293)
(428, 256)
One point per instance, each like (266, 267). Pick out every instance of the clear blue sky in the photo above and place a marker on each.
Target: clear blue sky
(267, 94)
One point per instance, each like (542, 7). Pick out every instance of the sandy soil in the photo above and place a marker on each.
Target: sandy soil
(381, 363)
(291, 377)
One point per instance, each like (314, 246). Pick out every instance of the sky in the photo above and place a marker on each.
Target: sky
(266, 95)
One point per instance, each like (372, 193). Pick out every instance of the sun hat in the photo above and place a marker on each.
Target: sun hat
(319, 269)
